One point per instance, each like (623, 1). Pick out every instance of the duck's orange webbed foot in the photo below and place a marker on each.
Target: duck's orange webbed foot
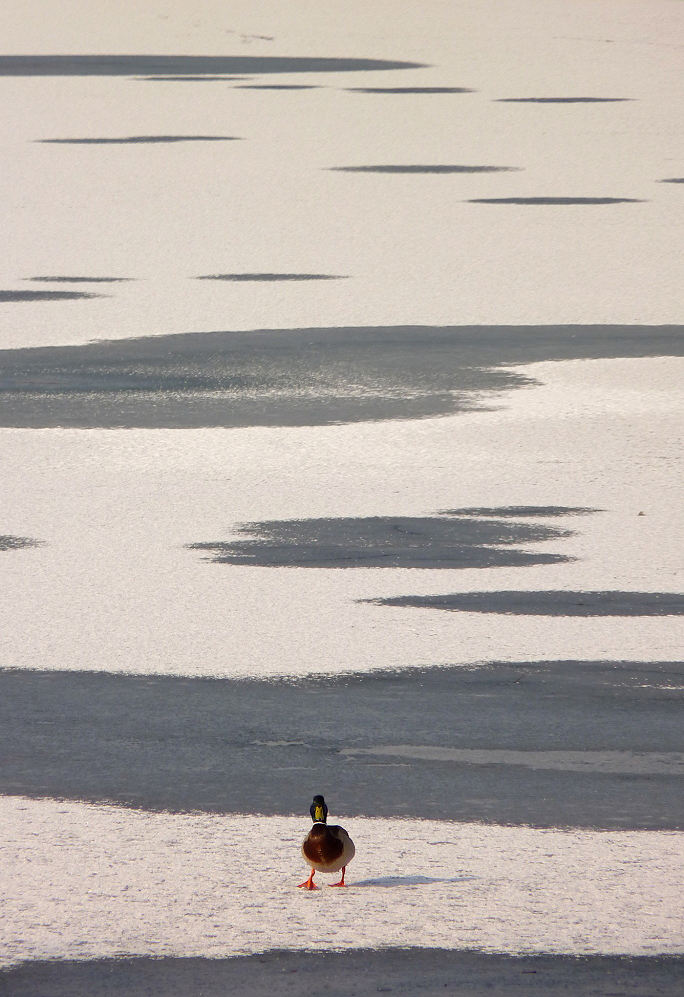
(309, 883)
(341, 882)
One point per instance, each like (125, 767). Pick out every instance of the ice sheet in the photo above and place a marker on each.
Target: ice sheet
(115, 588)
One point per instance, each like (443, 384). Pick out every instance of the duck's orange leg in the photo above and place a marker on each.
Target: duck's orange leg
(341, 882)
(309, 883)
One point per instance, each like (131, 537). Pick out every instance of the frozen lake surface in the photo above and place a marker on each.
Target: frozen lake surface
(341, 365)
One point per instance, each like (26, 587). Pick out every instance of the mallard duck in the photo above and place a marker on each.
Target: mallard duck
(326, 848)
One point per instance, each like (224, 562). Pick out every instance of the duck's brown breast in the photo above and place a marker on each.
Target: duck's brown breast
(322, 847)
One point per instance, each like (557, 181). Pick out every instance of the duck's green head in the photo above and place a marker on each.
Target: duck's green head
(318, 810)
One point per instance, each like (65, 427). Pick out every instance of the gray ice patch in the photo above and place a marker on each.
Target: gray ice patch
(614, 762)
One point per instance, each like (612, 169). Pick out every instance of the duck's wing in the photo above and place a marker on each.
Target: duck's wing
(339, 832)
(348, 849)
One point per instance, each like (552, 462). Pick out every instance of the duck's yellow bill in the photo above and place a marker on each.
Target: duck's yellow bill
(319, 814)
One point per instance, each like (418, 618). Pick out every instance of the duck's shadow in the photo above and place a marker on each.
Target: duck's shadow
(411, 880)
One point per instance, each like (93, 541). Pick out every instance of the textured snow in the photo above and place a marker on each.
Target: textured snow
(84, 881)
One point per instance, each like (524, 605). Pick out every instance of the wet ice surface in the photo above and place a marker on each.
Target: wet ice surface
(562, 100)
(271, 276)
(424, 168)
(91, 881)
(279, 973)
(564, 743)
(127, 65)
(551, 603)
(297, 377)
(386, 542)
(138, 139)
(23, 296)
(555, 200)
(81, 280)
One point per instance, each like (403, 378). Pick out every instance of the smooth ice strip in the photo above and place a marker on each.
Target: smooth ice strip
(617, 762)
(84, 881)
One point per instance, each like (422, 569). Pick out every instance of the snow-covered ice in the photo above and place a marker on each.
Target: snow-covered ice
(86, 881)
